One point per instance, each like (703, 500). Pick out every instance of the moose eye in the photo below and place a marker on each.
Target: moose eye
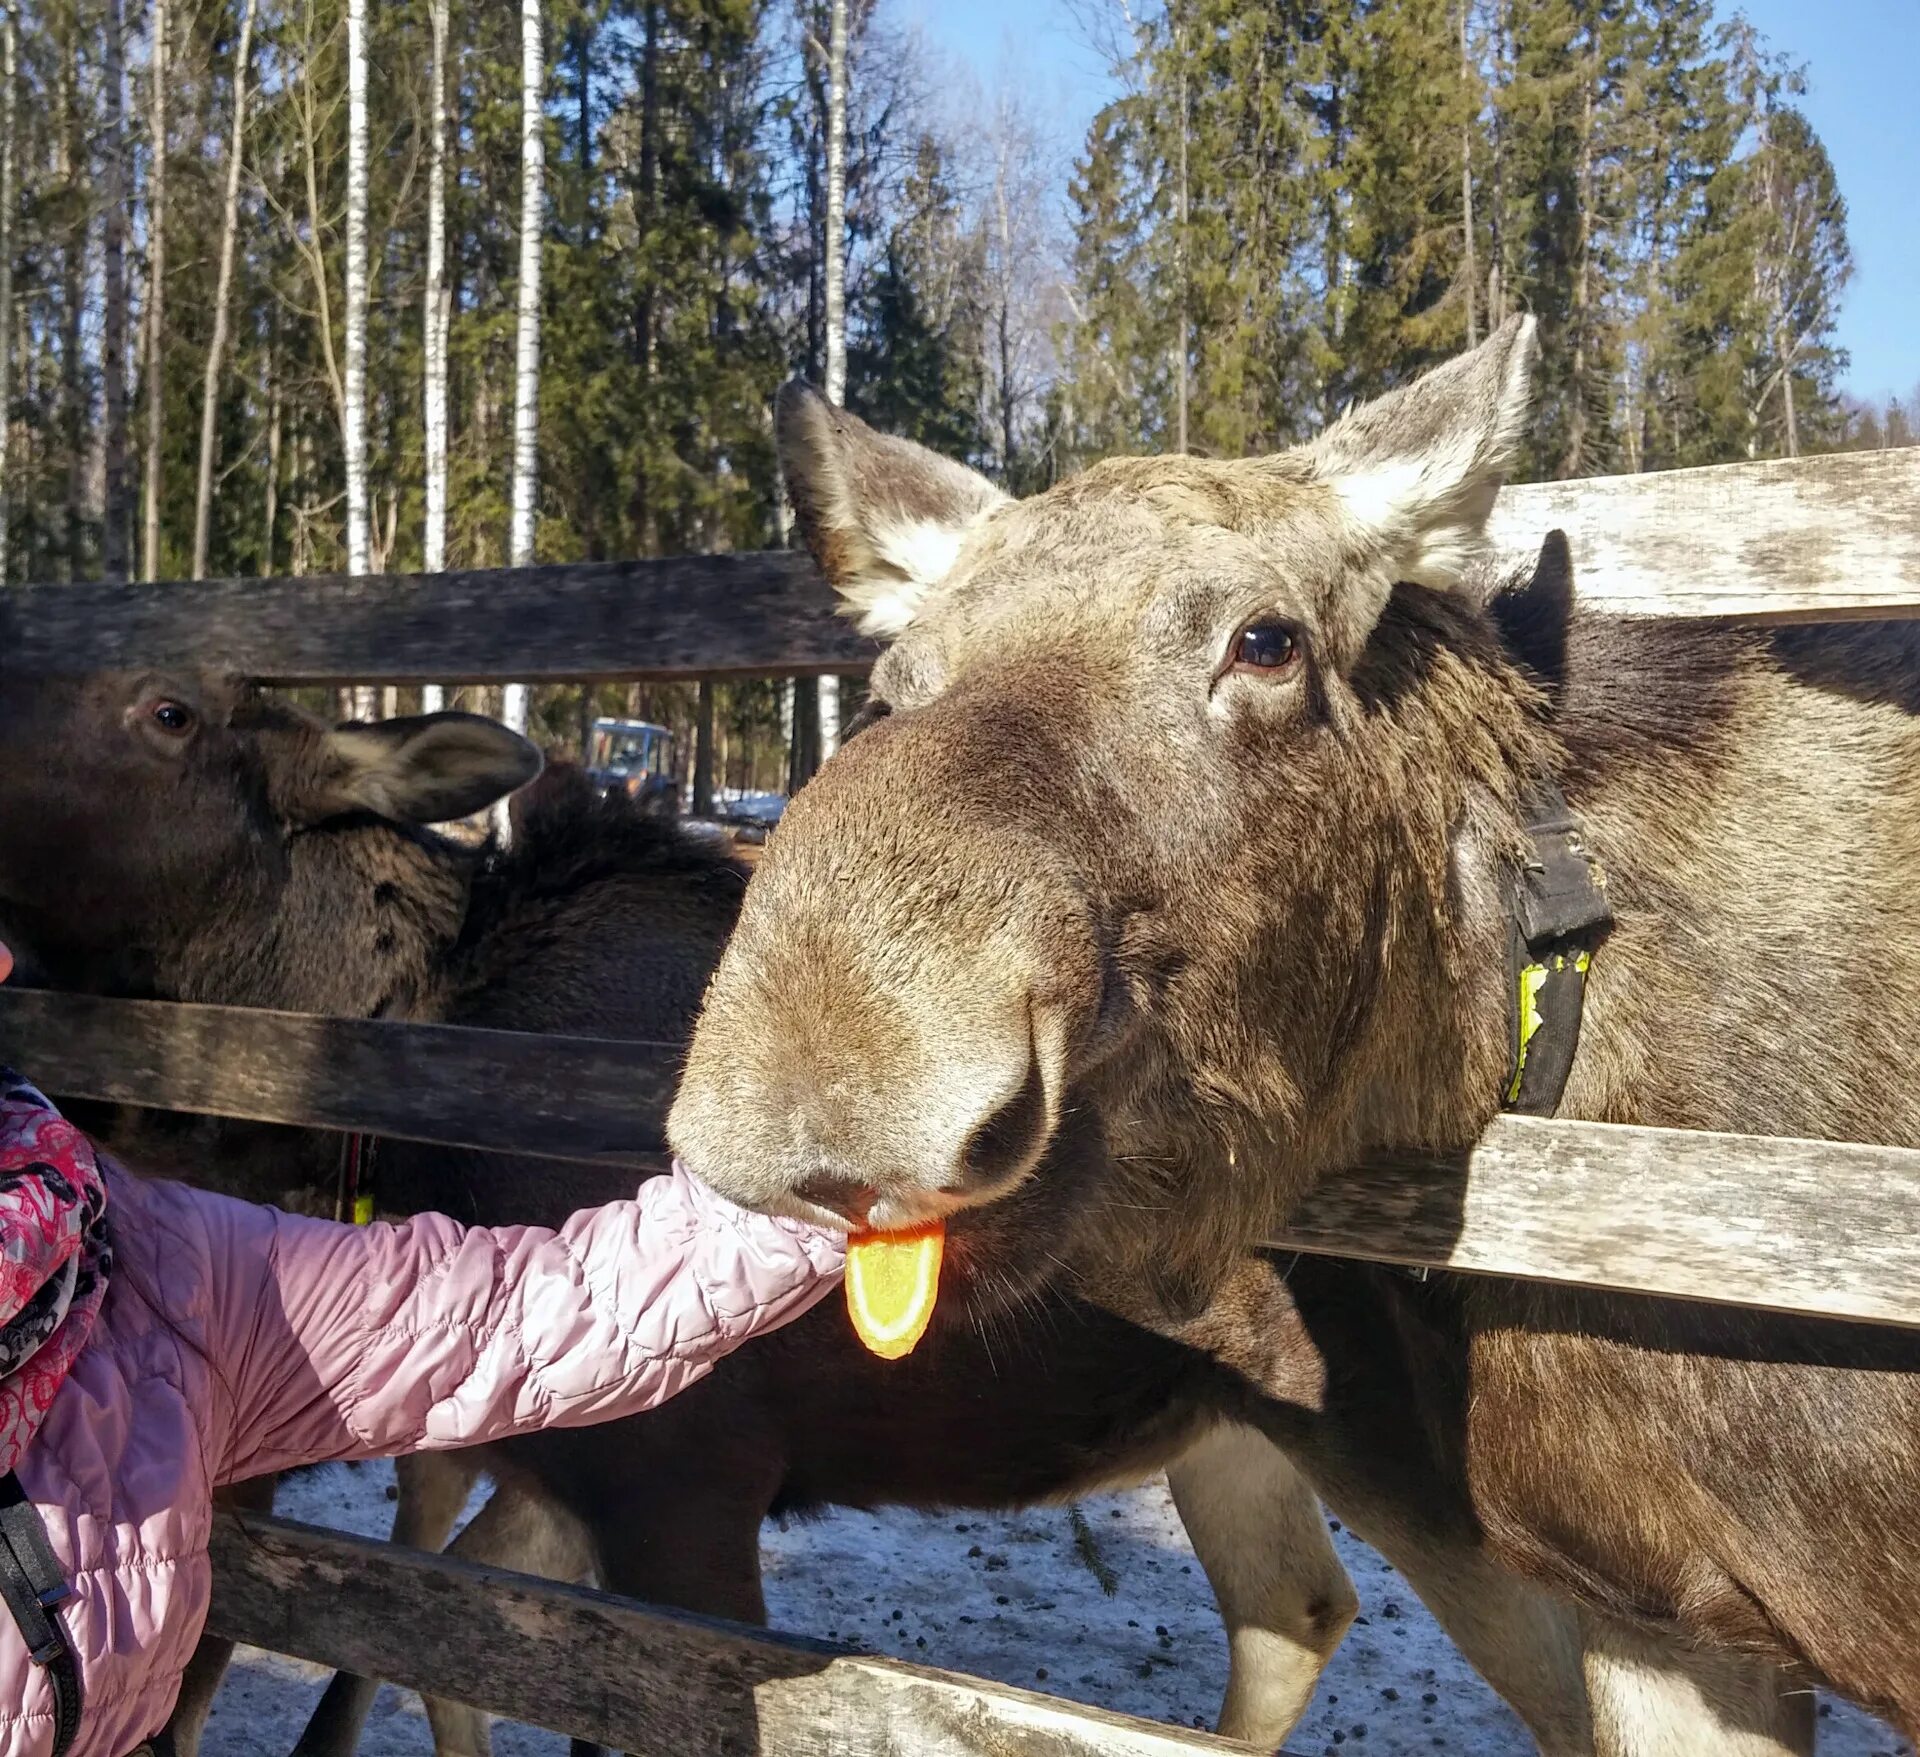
(1269, 647)
(171, 716)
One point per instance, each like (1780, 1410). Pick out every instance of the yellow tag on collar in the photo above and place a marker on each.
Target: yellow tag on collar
(1533, 978)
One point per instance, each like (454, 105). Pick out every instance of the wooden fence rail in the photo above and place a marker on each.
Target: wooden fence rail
(1816, 1227)
(603, 1100)
(1798, 540)
(654, 1682)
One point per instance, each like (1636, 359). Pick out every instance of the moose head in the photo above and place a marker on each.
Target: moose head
(1158, 877)
(186, 836)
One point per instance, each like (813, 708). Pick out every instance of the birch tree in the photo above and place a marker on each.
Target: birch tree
(222, 298)
(353, 428)
(9, 78)
(836, 263)
(70, 172)
(116, 529)
(1468, 273)
(826, 704)
(156, 313)
(526, 395)
(437, 318)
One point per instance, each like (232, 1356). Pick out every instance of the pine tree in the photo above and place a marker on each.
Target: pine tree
(1679, 126)
(1116, 392)
(1758, 279)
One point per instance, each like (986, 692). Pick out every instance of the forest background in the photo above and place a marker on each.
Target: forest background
(306, 286)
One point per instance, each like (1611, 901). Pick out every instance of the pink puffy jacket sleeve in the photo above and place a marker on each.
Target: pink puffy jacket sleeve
(352, 1342)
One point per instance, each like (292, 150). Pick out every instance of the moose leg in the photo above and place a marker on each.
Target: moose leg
(1662, 1698)
(1585, 1686)
(529, 1533)
(200, 1683)
(433, 1487)
(1259, 1533)
(1527, 1643)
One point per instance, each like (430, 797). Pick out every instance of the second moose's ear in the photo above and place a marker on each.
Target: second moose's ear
(884, 518)
(425, 769)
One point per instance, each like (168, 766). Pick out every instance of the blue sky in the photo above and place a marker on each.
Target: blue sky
(1862, 58)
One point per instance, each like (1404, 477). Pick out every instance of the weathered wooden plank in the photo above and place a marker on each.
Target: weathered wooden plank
(1816, 1227)
(1795, 540)
(1792, 540)
(1809, 1226)
(682, 616)
(591, 1666)
(596, 1099)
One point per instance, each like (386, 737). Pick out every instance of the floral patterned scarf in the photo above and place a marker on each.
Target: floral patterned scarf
(54, 1257)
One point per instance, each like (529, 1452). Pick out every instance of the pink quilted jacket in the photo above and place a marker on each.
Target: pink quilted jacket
(238, 1340)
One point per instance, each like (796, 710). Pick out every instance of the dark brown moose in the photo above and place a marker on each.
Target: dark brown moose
(1168, 879)
(187, 838)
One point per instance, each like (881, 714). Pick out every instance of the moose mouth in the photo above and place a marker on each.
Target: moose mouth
(1007, 1246)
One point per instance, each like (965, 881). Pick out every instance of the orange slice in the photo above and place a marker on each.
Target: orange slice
(892, 1280)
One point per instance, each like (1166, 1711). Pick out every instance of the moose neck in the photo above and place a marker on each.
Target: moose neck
(361, 921)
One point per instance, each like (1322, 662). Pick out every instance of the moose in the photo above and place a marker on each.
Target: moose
(187, 837)
(1236, 768)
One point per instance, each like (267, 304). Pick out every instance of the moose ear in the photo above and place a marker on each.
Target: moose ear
(884, 518)
(1534, 612)
(1417, 471)
(426, 769)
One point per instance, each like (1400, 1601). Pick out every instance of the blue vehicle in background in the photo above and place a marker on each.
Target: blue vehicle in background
(635, 757)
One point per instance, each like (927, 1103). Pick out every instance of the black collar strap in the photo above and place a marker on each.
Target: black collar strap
(1559, 915)
(34, 1588)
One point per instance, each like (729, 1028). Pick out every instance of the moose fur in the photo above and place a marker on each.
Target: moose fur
(1177, 936)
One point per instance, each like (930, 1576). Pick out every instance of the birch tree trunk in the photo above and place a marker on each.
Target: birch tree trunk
(438, 321)
(1578, 461)
(275, 416)
(116, 524)
(9, 55)
(69, 168)
(353, 430)
(1183, 345)
(1468, 274)
(826, 693)
(1497, 207)
(836, 263)
(1787, 351)
(156, 287)
(222, 297)
(526, 394)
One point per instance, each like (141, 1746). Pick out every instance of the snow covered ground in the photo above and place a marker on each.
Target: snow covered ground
(1012, 1598)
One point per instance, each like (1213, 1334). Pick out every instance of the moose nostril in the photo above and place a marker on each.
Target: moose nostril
(853, 1202)
(1007, 1143)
